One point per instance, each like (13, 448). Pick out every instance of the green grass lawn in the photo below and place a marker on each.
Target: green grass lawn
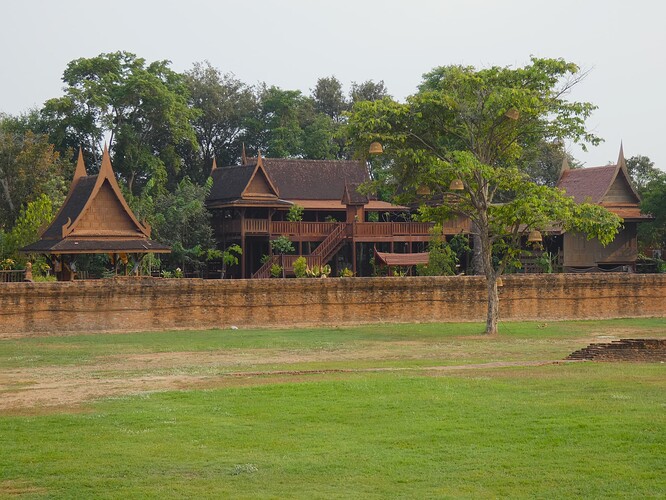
(590, 430)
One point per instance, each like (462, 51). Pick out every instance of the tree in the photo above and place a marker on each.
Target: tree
(29, 167)
(32, 217)
(475, 126)
(654, 203)
(643, 172)
(142, 109)
(329, 98)
(368, 91)
(224, 105)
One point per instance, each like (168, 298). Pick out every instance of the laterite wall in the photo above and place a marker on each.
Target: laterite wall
(137, 304)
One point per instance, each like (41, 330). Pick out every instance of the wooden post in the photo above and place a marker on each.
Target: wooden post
(354, 256)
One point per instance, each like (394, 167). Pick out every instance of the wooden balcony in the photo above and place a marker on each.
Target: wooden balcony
(358, 231)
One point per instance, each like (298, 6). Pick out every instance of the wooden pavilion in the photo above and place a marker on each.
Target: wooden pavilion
(94, 219)
(609, 186)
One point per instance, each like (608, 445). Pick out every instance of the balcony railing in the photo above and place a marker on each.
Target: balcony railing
(355, 229)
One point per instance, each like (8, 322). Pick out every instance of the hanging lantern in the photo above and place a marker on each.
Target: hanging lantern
(423, 190)
(499, 282)
(456, 185)
(376, 148)
(534, 237)
(512, 114)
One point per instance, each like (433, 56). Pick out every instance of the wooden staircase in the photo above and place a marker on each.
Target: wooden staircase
(321, 255)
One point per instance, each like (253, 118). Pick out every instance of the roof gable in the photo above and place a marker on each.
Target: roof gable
(608, 184)
(260, 184)
(95, 205)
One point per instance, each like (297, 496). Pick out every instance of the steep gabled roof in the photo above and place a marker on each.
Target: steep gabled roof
(245, 185)
(593, 184)
(609, 186)
(588, 184)
(95, 217)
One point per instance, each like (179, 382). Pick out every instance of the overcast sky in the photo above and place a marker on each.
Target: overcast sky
(292, 43)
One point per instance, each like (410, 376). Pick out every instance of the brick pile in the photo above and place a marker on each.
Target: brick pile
(623, 350)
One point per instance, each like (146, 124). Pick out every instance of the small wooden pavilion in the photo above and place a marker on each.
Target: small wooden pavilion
(609, 186)
(94, 219)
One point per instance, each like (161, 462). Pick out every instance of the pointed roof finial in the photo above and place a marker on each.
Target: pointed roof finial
(106, 163)
(259, 160)
(80, 167)
(620, 159)
(214, 167)
(243, 156)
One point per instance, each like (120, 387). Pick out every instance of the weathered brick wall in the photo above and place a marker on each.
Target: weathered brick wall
(137, 304)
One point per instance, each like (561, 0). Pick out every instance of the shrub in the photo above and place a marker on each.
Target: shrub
(295, 213)
(346, 273)
(300, 267)
(276, 271)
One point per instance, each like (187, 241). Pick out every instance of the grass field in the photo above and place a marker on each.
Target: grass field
(383, 411)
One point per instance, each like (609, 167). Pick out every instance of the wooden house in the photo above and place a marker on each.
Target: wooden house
(94, 218)
(609, 186)
(340, 225)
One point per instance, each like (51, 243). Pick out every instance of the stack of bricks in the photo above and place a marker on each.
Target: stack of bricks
(623, 350)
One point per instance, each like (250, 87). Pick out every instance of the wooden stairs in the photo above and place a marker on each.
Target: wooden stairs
(321, 255)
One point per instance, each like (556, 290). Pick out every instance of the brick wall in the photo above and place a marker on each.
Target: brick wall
(137, 304)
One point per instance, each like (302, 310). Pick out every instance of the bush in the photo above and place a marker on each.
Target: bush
(282, 245)
(276, 271)
(346, 273)
(295, 213)
(300, 267)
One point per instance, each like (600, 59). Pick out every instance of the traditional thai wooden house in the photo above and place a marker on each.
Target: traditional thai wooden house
(94, 218)
(609, 186)
(339, 225)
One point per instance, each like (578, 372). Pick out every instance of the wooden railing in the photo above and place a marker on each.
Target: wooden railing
(303, 228)
(12, 276)
(287, 263)
(370, 229)
(332, 242)
(323, 229)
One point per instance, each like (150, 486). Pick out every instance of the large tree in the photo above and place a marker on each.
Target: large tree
(29, 167)
(476, 126)
(140, 108)
(225, 105)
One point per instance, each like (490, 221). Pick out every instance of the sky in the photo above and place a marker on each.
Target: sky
(292, 43)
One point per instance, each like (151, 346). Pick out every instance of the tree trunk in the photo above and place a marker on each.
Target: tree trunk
(477, 253)
(492, 318)
(8, 196)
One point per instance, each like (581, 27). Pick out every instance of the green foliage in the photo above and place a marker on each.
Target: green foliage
(654, 203)
(442, 258)
(179, 219)
(33, 217)
(276, 271)
(231, 255)
(29, 167)
(225, 106)
(141, 106)
(346, 273)
(282, 245)
(295, 213)
(643, 172)
(480, 126)
(300, 267)
(318, 271)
